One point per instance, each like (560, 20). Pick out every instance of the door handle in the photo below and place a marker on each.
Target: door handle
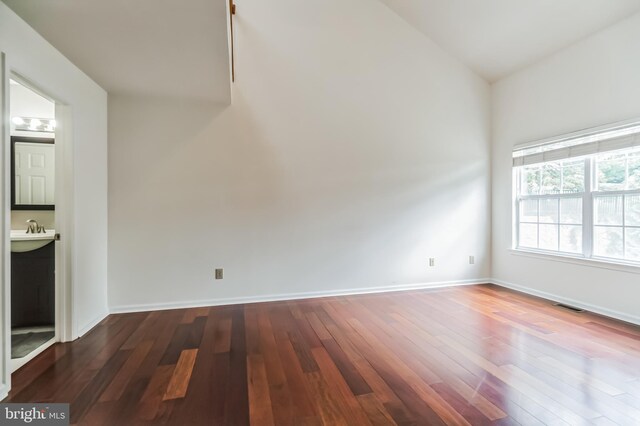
(56, 237)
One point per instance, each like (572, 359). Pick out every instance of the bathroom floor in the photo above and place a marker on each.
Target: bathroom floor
(26, 340)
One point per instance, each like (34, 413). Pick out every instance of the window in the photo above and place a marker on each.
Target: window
(550, 206)
(580, 195)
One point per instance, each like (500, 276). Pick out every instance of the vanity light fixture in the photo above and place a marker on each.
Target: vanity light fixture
(34, 124)
(31, 124)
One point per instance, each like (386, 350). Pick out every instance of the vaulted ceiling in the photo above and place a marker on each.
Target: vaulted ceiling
(180, 48)
(142, 47)
(497, 37)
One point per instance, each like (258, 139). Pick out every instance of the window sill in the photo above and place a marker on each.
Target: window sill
(576, 260)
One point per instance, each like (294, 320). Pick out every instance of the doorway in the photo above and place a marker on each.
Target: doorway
(33, 219)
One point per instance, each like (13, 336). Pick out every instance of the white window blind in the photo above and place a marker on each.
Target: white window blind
(613, 139)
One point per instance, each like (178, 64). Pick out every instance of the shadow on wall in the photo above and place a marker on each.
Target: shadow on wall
(180, 168)
(348, 156)
(445, 216)
(397, 220)
(172, 154)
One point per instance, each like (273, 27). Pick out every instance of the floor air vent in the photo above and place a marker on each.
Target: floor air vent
(569, 307)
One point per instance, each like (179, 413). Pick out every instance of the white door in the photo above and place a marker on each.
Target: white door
(35, 173)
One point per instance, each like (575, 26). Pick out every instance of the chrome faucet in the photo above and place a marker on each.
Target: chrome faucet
(34, 228)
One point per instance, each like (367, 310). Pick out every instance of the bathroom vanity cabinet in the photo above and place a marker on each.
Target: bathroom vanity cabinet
(33, 287)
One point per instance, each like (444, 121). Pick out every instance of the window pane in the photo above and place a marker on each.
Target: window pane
(608, 210)
(573, 177)
(632, 210)
(571, 210)
(571, 238)
(529, 211)
(550, 180)
(530, 180)
(607, 242)
(549, 211)
(611, 172)
(528, 235)
(634, 171)
(632, 243)
(549, 237)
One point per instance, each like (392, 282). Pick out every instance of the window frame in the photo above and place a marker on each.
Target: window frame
(518, 198)
(588, 223)
(619, 193)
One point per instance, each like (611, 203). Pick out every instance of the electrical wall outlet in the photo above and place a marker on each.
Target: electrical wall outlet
(219, 273)
(472, 260)
(432, 261)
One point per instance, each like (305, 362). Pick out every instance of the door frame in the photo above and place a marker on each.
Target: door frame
(63, 218)
(5, 243)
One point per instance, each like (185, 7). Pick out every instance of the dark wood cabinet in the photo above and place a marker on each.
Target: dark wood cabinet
(33, 287)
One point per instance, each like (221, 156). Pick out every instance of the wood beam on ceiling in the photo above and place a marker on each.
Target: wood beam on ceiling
(232, 11)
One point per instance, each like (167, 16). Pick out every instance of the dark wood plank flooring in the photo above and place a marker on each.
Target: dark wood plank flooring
(467, 355)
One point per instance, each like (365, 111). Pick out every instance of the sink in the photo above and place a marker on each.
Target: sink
(21, 241)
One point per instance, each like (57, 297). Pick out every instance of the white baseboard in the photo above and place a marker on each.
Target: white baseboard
(87, 327)
(289, 296)
(633, 319)
(370, 290)
(4, 392)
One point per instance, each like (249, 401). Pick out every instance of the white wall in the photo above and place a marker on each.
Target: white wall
(594, 82)
(353, 151)
(37, 61)
(24, 102)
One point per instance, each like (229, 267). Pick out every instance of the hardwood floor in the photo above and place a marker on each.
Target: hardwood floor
(466, 355)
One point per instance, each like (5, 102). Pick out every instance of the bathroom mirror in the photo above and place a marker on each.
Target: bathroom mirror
(32, 173)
